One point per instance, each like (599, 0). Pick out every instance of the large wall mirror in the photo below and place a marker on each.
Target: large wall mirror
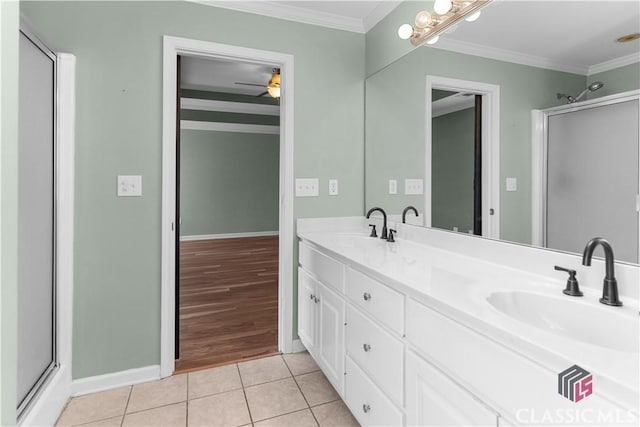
(451, 128)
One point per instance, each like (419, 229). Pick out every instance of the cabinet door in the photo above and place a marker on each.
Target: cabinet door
(331, 336)
(307, 297)
(435, 400)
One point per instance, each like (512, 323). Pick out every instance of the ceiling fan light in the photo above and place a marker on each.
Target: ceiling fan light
(441, 7)
(405, 31)
(274, 91)
(273, 88)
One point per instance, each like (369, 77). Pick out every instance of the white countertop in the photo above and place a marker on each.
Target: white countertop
(458, 285)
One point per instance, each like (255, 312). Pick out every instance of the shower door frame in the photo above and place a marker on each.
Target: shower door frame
(539, 146)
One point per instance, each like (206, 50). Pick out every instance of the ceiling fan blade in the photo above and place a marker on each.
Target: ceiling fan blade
(249, 84)
(263, 94)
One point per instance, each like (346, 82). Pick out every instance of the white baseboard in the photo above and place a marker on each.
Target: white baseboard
(50, 403)
(297, 347)
(115, 380)
(228, 235)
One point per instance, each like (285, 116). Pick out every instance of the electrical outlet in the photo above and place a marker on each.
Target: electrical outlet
(413, 186)
(333, 187)
(393, 186)
(129, 185)
(307, 187)
(512, 184)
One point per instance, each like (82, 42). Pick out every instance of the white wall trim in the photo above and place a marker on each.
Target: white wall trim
(379, 13)
(54, 395)
(228, 235)
(506, 55)
(173, 46)
(229, 106)
(490, 148)
(291, 13)
(539, 143)
(229, 127)
(613, 64)
(298, 347)
(115, 380)
(451, 104)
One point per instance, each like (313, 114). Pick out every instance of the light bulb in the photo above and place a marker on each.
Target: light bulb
(433, 40)
(423, 19)
(405, 31)
(473, 17)
(441, 7)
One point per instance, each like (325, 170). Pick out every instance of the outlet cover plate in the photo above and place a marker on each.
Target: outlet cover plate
(333, 187)
(393, 186)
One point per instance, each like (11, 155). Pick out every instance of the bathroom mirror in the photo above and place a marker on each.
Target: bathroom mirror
(400, 96)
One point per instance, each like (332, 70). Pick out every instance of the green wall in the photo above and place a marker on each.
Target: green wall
(9, 13)
(118, 46)
(617, 80)
(228, 182)
(395, 111)
(452, 151)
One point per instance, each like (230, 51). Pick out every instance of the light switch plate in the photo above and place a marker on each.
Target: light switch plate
(413, 186)
(393, 186)
(333, 187)
(512, 184)
(307, 187)
(129, 185)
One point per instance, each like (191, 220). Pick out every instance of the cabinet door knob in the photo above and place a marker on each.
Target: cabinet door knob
(312, 297)
(366, 347)
(316, 300)
(366, 408)
(366, 296)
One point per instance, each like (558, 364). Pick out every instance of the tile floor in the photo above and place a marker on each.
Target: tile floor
(283, 390)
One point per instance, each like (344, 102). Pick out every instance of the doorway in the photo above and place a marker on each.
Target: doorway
(462, 168)
(173, 48)
(227, 204)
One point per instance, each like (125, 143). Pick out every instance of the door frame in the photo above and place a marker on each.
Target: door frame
(490, 148)
(172, 47)
(539, 148)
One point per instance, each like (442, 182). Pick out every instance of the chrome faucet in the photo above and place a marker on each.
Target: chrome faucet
(383, 235)
(610, 284)
(404, 213)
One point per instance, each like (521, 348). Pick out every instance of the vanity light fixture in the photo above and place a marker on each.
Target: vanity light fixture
(446, 13)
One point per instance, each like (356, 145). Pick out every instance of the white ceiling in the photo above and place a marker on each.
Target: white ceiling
(570, 35)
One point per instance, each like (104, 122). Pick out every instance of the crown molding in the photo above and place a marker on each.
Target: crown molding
(451, 104)
(379, 13)
(506, 55)
(291, 13)
(614, 63)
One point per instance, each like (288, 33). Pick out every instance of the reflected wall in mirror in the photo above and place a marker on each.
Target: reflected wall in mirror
(396, 111)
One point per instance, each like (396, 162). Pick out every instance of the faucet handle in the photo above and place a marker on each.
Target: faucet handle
(390, 238)
(572, 289)
(373, 231)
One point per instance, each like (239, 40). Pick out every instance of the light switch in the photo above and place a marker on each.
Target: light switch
(512, 184)
(393, 186)
(306, 187)
(129, 185)
(413, 186)
(333, 187)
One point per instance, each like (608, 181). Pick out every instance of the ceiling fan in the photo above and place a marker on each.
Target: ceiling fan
(273, 87)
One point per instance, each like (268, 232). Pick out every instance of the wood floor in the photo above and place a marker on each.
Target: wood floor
(228, 301)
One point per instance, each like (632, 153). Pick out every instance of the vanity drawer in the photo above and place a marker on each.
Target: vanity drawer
(376, 299)
(326, 269)
(375, 351)
(365, 400)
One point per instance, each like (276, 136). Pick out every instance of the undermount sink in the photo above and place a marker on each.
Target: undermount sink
(608, 327)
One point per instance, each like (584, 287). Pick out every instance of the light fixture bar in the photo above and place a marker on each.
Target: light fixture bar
(459, 11)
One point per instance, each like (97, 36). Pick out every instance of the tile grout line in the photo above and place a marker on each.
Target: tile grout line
(301, 392)
(186, 405)
(126, 405)
(244, 393)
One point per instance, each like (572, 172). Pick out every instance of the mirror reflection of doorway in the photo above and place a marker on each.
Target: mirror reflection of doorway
(228, 208)
(456, 158)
